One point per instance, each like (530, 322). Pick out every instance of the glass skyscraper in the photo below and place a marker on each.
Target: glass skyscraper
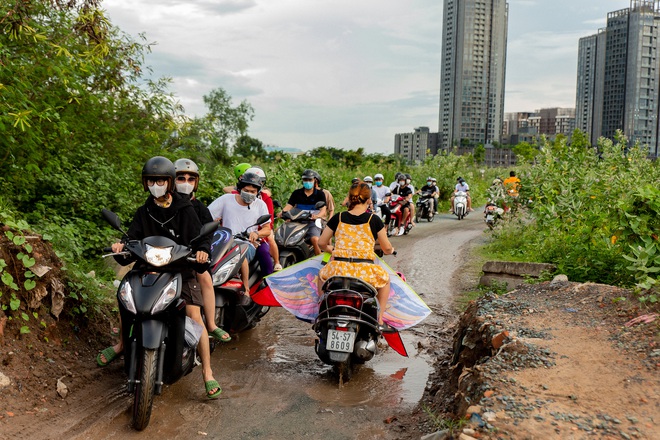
(618, 87)
(473, 71)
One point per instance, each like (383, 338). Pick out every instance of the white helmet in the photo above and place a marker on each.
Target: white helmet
(368, 179)
(259, 172)
(379, 176)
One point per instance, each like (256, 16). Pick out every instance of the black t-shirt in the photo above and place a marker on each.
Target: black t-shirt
(375, 222)
(431, 188)
(300, 200)
(402, 191)
(202, 211)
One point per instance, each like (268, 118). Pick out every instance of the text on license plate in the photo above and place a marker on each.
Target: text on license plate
(340, 341)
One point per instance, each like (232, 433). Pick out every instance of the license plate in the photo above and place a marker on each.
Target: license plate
(340, 341)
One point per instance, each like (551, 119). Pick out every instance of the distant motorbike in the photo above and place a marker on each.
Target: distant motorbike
(233, 312)
(347, 325)
(290, 236)
(159, 339)
(397, 216)
(424, 208)
(492, 213)
(460, 204)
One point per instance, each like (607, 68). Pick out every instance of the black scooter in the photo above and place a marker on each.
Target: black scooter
(290, 236)
(159, 339)
(424, 208)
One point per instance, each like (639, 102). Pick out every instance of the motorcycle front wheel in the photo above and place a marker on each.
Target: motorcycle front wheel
(144, 390)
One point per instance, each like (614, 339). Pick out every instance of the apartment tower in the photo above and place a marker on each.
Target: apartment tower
(473, 71)
(618, 87)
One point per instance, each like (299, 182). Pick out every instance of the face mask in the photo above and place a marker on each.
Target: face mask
(407, 180)
(429, 183)
(308, 185)
(402, 183)
(248, 197)
(185, 188)
(378, 183)
(369, 185)
(158, 191)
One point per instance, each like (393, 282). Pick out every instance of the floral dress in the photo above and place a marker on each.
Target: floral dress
(355, 241)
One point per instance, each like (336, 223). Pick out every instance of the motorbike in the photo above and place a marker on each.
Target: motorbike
(347, 327)
(159, 339)
(424, 208)
(492, 213)
(397, 216)
(290, 236)
(233, 312)
(460, 205)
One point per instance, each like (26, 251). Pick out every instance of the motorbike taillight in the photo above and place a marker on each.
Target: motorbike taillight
(345, 299)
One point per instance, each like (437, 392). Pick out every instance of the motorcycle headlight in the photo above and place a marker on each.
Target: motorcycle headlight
(158, 256)
(126, 297)
(295, 238)
(222, 274)
(166, 297)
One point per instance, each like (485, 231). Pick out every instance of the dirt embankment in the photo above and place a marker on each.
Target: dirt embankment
(553, 360)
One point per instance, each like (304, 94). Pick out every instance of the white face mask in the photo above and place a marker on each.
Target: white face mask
(185, 188)
(158, 191)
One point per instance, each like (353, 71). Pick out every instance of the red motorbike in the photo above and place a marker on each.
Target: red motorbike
(395, 205)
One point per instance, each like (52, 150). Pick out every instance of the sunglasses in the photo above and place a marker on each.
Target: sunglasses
(159, 182)
(183, 179)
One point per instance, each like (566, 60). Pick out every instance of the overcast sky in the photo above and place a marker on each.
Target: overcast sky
(347, 73)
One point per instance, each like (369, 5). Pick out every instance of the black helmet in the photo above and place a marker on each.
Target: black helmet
(249, 179)
(408, 176)
(317, 176)
(309, 174)
(398, 175)
(187, 166)
(159, 166)
(355, 180)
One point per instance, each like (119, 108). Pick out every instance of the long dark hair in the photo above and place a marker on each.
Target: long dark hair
(358, 194)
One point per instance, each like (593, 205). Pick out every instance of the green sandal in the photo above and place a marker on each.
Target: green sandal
(109, 354)
(212, 385)
(220, 335)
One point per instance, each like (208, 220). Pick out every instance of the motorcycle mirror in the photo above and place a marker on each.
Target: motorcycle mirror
(112, 219)
(319, 205)
(277, 204)
(264, 219)
(318, 223)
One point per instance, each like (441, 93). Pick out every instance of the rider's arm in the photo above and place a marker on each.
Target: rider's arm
(324, 240)
(287, 207)
(384, 242)
(321, 213)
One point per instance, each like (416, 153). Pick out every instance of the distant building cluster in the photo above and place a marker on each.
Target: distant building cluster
(618, 83)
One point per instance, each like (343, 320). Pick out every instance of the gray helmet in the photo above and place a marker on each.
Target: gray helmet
(249, 179)
(159, 166)
(187, 166)
(259, 172)
(309, 174)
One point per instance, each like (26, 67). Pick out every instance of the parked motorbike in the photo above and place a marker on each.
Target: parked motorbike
(424, 208)
(290, 236)
(492, 213)
(233, 312)
(347, 325)
(460, 204)
(397, 216)
(159, 339)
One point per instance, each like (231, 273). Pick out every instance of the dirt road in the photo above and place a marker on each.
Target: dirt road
(274, 386)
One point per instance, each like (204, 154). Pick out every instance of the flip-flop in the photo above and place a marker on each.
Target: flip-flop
(220, 335)
(109, 354)
(212, 385)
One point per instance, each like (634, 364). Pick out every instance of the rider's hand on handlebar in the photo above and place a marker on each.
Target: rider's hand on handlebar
(117, 247)
(201, 257)
(254, 237)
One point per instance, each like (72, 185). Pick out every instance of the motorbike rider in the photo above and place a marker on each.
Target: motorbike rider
(356, 232)
(265, 195)
(169, 214)
(412, 191)
(394, 184)
(305, 198)
(461, 185)
(240, 211)
(372, 201)
(406, 194)
(512, 184)
(187, 181)
(383, 194)
(238, 172)
(432, 188)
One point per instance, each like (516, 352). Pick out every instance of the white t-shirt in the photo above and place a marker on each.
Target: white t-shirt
(235, 216)
(393, 185)
(462, 187)
(381, 191)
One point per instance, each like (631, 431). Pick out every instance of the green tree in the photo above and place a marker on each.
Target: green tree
(249, 147)
(525, 152)
(479, 153)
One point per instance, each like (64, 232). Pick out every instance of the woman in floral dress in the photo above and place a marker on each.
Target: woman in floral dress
(356, 232)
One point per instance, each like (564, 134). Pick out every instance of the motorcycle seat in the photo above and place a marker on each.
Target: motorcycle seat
(349, 283)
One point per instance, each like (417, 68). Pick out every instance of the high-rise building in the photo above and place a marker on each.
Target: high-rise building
(416, 145)
(618, 87)
(473, 71)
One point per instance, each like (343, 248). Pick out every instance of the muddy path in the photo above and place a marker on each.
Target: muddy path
(274, 386)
